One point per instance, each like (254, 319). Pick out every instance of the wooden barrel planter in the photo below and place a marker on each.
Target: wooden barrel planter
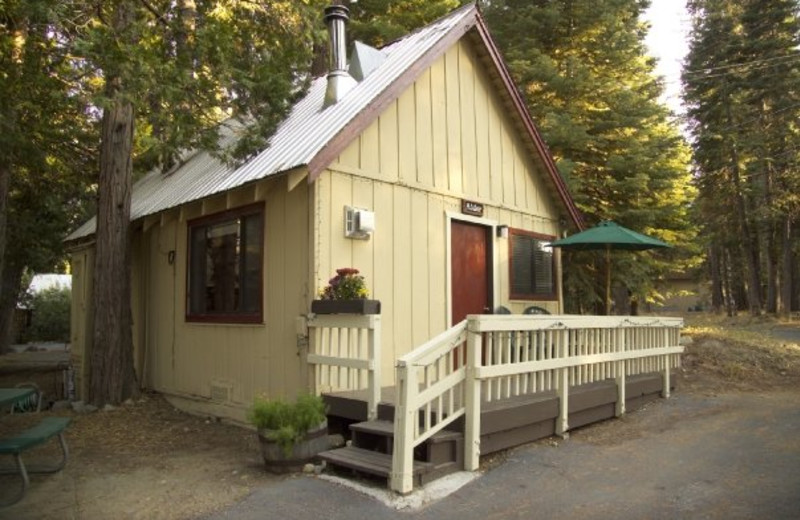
(279, 460)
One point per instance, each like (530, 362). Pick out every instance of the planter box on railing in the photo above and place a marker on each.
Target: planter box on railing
(346, 306)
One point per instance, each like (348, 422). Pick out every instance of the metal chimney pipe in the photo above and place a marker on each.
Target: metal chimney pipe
(339, 81)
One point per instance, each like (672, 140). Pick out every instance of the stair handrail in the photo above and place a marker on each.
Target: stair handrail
(415, 418)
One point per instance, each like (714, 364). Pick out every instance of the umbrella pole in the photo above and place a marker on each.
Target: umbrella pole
(608, 280)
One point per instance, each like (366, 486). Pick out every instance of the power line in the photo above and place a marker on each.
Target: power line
(749, 66)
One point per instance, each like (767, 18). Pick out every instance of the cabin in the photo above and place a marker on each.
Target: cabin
(416, 164)
(428, 138)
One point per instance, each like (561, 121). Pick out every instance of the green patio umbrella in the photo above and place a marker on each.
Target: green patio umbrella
(608, 235)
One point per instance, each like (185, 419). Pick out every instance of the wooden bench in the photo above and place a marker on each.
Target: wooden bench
(46, 429)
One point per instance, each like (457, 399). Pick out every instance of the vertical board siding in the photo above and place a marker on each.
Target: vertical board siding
(482, 137)
(382, 285)
(400, 308)
(455, 170)
(450, 132)
(447, 137)
(363, 257)
(387, 141)
(420, 265)
(437, 265)
(188, 359)
(467, 108)
(439, 125)
(406, 130)
(424, 130)
(81, 321)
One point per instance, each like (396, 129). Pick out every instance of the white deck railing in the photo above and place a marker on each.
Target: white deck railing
(344, 353)
(491, 357)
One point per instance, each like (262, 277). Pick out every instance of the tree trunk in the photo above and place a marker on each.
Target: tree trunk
(730, 300)
(112, 377)
(747, 240)
(771, 233)
(748, 249)
(715, 259)
(773, 278)
(5, 178)
(9, 290)
(787, 260)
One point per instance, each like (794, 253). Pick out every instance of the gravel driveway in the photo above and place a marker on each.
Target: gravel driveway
(733, 456)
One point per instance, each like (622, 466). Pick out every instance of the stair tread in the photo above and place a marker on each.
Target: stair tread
(386, 428)
(372, 462)
(376, 427)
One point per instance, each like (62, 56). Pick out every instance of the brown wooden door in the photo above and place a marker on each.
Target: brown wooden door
(471, 269)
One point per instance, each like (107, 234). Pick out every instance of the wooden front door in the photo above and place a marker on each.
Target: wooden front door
(470, 265)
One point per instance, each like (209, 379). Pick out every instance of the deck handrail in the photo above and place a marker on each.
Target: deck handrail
(344, 353)
(511, 355)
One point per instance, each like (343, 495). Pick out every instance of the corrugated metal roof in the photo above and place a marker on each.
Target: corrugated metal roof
(306, 130)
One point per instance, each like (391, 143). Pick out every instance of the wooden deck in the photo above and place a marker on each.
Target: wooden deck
(510, 422)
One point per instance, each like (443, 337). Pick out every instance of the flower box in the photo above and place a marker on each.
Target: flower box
(346, 306)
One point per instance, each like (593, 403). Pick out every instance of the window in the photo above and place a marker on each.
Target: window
(532, 266)
(225, 266)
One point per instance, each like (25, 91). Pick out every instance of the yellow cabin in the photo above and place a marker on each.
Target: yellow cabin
(417, 164)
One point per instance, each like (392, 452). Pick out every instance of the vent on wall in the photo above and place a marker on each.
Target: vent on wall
(221, 391)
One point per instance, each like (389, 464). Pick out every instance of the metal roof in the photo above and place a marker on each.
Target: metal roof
(297, 140)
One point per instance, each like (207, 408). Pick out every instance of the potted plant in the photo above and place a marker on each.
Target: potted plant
(345, 293)
(290, 434)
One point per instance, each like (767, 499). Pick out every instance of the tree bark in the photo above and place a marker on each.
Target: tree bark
(730, 300)
(113, 379)
(787, 261)
(747, 244)
(5, 178)
(10, 283)
(714, 259)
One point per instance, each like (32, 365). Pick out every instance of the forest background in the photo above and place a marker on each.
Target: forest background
(94, 95)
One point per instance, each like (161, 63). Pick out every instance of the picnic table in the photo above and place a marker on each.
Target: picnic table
(16, 443)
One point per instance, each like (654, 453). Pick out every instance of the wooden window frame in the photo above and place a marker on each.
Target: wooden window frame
(210, 220)
(553, 296)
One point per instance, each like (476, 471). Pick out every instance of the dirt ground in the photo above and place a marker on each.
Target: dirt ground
(148, 460)
(143, 460)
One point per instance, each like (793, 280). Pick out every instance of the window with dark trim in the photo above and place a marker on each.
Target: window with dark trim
(532, 266)
(225, 262)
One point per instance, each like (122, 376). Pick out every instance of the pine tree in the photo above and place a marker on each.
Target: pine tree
(590, 88)
(378, 22)
(741, 88)
(46, 144)
(169, 73)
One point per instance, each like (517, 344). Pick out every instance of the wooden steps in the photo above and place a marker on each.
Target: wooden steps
(367, 461)
(373, 443)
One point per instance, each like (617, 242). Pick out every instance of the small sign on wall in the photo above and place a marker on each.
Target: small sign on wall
(469, 207)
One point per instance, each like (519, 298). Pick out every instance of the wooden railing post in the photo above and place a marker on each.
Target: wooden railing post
(562, 422)
(620, 370)
(405, 417)
(374, 373)
(666, 382)
(472, 428)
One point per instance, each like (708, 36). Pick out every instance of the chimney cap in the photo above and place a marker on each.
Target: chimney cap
(337, 11)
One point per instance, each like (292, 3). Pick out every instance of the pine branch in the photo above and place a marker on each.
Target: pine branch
(159, 17)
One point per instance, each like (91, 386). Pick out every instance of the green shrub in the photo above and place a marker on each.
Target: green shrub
(50, 319)
(287, 423)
